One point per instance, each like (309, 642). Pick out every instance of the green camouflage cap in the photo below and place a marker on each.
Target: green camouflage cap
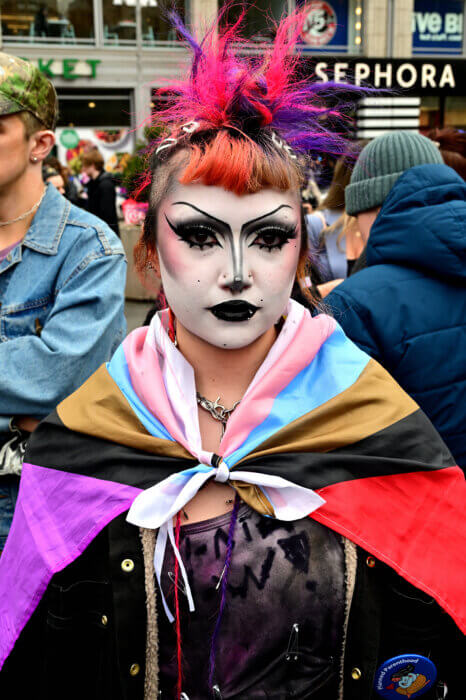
(24, 88)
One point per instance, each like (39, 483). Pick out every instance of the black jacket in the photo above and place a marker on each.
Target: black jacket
(102, 200)
(87, 638)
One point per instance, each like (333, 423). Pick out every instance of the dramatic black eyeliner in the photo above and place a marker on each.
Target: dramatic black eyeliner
(283, 233)
(186, 230)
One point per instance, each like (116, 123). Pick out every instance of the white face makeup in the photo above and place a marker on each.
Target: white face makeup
(228, 262)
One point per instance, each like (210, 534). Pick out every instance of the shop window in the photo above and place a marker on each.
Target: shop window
(257, 25)
(455, 112)
(430, 116)
(437, 27)
(119, 18)
(99, 108)
(48, 21)
(99, 118)
(332, 26)
(155, 27)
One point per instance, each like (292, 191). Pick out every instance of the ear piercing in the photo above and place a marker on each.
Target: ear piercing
(34, 159)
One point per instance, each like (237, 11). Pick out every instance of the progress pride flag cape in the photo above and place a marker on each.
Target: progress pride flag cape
(319, 414)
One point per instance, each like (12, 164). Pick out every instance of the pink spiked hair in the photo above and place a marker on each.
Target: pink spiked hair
(249, 98)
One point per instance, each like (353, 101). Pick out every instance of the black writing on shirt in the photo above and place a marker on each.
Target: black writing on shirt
(249, 575)
(266, 526)
(297, 551)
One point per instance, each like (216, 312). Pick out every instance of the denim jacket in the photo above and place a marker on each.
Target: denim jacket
(61, 308)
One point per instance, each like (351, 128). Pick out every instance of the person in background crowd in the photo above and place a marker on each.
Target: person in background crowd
(311, 195)
(335, 242)
(54, 177)
(452, 145)
(323, 169)
(407, 309)
(100, 189)
(41, 25)
(62, 275)
(70, 189)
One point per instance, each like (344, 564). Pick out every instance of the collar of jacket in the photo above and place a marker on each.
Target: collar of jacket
(48, 224)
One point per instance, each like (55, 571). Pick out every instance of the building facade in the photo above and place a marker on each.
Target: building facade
(106, 57)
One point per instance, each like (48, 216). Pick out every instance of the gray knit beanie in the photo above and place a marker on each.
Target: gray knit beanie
(381, 163)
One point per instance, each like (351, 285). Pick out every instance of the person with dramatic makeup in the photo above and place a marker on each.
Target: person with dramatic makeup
(241, 504)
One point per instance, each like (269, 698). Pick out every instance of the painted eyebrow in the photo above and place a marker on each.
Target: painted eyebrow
(209, 216)
(265, 216)
(224, 223)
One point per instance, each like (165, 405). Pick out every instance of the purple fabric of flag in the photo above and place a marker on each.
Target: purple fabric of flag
(57, 516)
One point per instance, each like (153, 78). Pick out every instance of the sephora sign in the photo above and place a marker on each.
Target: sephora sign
(432, 76)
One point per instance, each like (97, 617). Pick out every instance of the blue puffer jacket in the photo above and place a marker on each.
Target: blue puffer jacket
(407, 309)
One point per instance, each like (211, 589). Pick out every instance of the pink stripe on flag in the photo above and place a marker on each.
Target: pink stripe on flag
(147, 380)
(254, 409)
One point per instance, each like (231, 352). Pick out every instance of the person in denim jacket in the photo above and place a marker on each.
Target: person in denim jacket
(62, 277)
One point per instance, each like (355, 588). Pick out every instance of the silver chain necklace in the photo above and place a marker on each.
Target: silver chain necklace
(23, 216)
(216, 409)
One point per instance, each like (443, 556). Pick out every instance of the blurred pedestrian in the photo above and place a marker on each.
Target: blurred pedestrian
(70, 190)
(100, 189)
(335, 242)
(54, 177)
(407, 309)
(452, 145)
(311, 195)
(62, 274)
(41, 25)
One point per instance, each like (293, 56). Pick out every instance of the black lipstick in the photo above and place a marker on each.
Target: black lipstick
(234, 311)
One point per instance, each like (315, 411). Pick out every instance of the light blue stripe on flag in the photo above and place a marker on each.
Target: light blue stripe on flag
(118, 370)
(337, 365)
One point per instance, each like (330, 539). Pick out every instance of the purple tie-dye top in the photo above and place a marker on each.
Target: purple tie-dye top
(4, 251)
(281, 632)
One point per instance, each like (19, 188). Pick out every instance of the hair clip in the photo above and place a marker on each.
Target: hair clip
(283, 145)
(166, 143)
(188, 128)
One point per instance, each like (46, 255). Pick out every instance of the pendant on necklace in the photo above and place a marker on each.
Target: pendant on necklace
(216, 409)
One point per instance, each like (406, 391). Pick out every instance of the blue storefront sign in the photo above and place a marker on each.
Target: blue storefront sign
(438, 27)
(326, 26)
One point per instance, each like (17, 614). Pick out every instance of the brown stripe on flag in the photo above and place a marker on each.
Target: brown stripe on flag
(99, 409)
(374, 402)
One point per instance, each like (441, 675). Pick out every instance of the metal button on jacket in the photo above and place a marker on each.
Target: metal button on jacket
(104, 620)
(356, 673)
(370, 562)
(127, 565)
(134, 669)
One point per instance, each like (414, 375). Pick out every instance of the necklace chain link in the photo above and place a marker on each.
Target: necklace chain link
(23, 216)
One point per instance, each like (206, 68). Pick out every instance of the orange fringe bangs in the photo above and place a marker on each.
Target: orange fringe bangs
(239, 165)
